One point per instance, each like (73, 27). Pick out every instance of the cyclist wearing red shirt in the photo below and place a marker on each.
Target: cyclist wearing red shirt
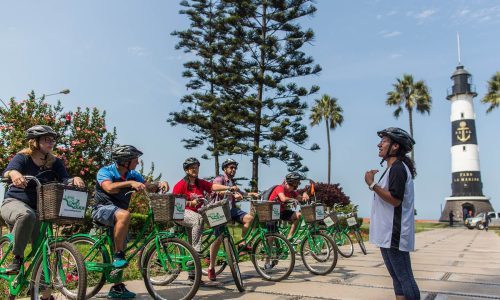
(194, 188)
(286, 192)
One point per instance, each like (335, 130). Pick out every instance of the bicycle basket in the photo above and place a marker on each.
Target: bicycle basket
(62, 204)
(217, 213)
(266, 210)
(313, 212)
(352, 221)
(331, 219)
(167, 207)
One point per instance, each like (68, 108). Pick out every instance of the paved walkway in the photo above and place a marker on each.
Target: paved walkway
(454, 263)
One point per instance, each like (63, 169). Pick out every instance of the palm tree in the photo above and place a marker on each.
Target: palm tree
(411, 95)
(327, 108)
(493, 95)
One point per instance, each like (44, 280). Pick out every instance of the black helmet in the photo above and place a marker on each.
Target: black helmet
(293, 177)
(399, 136)
(39, 131)
(228, 162)
(189, 162)
(125, 153)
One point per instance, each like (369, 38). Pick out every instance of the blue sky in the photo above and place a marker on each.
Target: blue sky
(120, 57)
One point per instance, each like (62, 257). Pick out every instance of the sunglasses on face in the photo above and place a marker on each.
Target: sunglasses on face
(295, 186)
(49, 140)
(233, 168)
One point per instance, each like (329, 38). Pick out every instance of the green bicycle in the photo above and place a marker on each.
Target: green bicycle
(53, 264)
(317, 249)
(170, 266)
(342, 234)
(272, 254)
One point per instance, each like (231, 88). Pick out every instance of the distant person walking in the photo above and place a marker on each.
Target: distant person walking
(487, 220)
(392, 223)
(451, 218)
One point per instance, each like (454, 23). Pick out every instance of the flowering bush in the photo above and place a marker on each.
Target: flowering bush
(328, 194)
(84, 140)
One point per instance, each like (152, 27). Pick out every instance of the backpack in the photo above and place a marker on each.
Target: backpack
(267, 193)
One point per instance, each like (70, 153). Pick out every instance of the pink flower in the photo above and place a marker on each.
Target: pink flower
(82, 172)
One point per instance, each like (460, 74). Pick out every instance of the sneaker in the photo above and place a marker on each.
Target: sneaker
(120, 291)
(245, 248)
(119, 260)
(50, 298)
(211, 275)
(14, 266)
(269, 266)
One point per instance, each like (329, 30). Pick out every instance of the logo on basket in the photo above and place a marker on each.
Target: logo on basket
(276, 211)
(179, 207)
(73, 202)
(215, 217)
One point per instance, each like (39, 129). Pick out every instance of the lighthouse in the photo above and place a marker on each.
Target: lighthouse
(466, 187)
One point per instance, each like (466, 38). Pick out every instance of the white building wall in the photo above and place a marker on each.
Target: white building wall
(465, 160)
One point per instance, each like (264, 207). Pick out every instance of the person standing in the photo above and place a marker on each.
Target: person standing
(451, 218)
(392, 223)
(487, 220)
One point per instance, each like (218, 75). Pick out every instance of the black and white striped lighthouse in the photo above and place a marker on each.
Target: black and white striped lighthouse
(466, 187)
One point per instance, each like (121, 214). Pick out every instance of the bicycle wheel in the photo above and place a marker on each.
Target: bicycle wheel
(95, 261)
(67, 274)
(6, 254)
(344, 244)
(273, 257)
(172, 271)
(319, 253)
(233, 264)
(360, 241)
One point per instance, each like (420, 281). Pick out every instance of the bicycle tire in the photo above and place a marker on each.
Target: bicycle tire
(262, 253)
(95, 278)
(6, 255)
(322, 249)
(177, 284)
(360, 241)
(344, 244)
(55, 259)
(233, 264)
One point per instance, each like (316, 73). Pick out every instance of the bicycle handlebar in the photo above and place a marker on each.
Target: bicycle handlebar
(27, 177)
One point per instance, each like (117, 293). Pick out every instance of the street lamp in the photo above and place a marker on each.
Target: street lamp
(65, 91)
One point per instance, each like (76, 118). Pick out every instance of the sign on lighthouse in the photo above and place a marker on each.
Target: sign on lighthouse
(467, 197)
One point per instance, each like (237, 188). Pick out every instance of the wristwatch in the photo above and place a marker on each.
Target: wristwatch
(372, 185)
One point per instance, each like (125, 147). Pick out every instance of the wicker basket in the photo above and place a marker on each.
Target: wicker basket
(331, 219)
(313, 212)
(264, 211)
(215, 214)
(167, 207)
(62, 204)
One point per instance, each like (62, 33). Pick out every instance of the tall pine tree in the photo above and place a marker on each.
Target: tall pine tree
(272, 112)
(207, 110)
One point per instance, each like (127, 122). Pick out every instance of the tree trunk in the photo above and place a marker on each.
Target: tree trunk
(410, 114)
(329, 150)
(258, 112)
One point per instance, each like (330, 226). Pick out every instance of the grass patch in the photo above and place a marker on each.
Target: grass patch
(419, 227)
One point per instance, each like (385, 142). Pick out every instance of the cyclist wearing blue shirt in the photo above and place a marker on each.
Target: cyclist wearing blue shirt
(113, 183)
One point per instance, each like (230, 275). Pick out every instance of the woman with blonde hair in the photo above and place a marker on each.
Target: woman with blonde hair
(20, 202)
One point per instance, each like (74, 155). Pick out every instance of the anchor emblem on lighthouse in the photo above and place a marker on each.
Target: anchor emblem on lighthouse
(463, 133)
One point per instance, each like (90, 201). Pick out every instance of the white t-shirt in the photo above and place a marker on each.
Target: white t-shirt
(394, 227)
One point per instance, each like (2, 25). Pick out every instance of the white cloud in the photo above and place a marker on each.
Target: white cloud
(389, 34)
(396, 55)
(137, 50)
(483, 15)
(464, 12)
(425, 14)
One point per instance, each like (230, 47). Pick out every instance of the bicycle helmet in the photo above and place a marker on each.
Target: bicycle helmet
(39, 131)
(229, 162)
(293, 177)
(189, 162)
(125, 153)
(398, 135)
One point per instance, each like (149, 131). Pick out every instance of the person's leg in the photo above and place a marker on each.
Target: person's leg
(401, 265)
(295, 217)
(398, 290)
(122, 222)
